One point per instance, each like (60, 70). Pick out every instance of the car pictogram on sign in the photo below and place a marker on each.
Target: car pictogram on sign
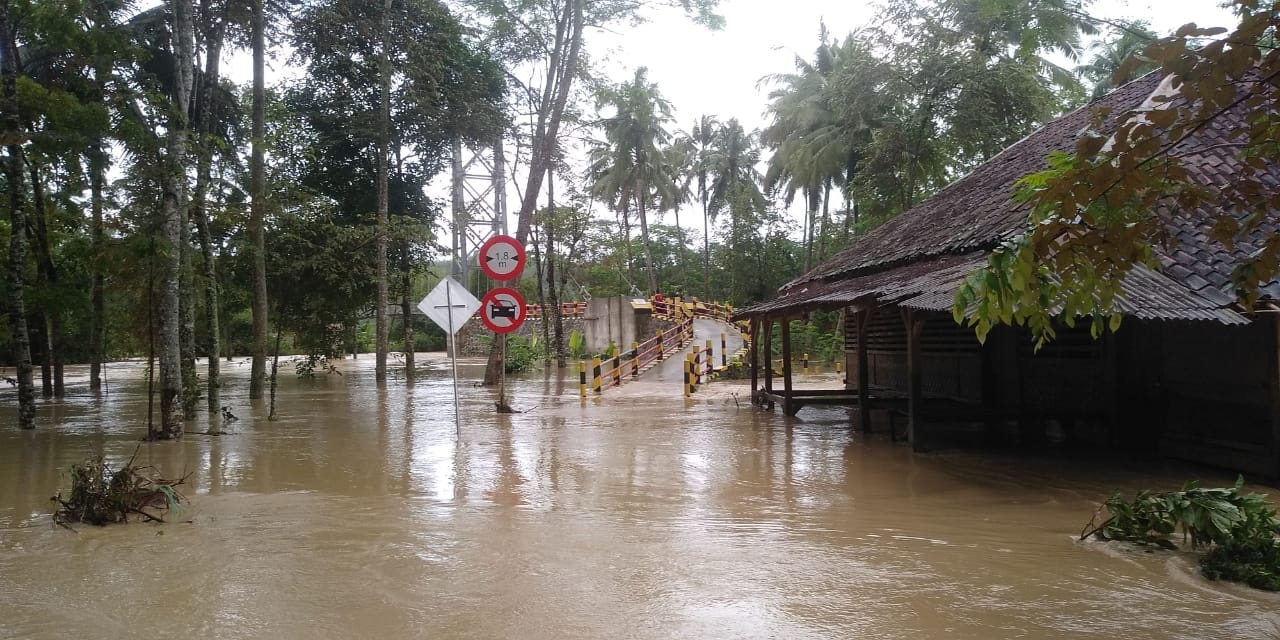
(502, 310)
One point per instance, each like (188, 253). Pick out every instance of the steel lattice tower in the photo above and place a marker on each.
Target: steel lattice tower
(479, 189)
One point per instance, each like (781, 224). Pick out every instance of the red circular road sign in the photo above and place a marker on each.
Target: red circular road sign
(501, 258)
(502, 310)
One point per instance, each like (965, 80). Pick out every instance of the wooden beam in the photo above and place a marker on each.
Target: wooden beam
(915, 393)
(864, 370)
(786, 370)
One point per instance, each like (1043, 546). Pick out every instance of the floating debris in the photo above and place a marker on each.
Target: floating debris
(101, 495)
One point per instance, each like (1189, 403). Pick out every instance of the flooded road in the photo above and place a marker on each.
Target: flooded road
(367, 513)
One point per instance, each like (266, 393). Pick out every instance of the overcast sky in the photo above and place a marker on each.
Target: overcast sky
(717, 73)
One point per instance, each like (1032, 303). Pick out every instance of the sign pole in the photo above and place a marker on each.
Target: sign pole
(442, 314)
(453, 360)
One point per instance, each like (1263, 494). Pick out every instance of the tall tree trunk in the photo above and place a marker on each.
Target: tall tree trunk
(200, 209)
(51, 384)
(706, 250)
(553, 291)
(562, 69)
(186, 310)
(644, 239)
(810, 219)
(258, 207)
(540, 275)
(826, 219)
(384, 134)
(173, 217)
(626, 238)
(406, 315)
(97, 240)
(99, 14)
(546, 272)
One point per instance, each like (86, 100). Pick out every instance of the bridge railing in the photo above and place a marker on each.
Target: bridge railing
(567, 310)
(678, 308)
(599, 373)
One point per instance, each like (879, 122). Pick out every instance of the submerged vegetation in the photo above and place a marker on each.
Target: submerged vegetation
(1238, 530)
(101, 495)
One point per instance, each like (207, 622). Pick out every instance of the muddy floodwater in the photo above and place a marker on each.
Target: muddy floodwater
(366, 513)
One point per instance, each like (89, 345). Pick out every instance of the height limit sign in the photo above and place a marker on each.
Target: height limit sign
(502, 258)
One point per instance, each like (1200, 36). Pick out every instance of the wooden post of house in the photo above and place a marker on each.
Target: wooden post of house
(786, 368)
(768, 360)
(914, 326)
(754, 339)
(864, 370)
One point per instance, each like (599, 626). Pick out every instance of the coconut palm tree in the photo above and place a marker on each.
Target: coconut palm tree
(631, 164)
(699, 147)
(809, 152)
(1110, 57)
(734, 180)
(1033, 31)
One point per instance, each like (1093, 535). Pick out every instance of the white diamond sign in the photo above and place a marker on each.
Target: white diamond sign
(449, 305)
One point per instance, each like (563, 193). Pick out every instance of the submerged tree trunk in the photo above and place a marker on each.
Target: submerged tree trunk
(540, 274)
(173, 217)
(13, 165)
(552, 327)
(51, 384)
(406, 315)
(97, 240)
(186, 309)
(200, 212)
(258, 207)
(384, 135)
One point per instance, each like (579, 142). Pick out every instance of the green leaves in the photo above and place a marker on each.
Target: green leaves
(1240, 529)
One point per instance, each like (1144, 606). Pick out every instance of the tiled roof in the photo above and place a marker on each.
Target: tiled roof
(919, 258)
(1193, 258)
(930, 285)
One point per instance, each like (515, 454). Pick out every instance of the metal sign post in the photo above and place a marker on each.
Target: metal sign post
(450, 305)
(502, 258)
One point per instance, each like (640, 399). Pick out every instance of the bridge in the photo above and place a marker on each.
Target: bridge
(701, 343)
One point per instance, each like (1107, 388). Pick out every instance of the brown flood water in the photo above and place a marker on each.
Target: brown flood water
(361, 513)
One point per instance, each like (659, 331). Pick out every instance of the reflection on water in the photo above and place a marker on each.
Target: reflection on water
(363, 513)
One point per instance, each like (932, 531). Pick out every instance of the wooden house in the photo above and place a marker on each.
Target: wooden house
(1189, 373)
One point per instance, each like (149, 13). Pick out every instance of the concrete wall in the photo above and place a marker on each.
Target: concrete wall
(614, 320)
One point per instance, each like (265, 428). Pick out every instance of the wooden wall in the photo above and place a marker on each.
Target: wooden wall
(1193, 390)
(951, 356)
(1205, 390)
